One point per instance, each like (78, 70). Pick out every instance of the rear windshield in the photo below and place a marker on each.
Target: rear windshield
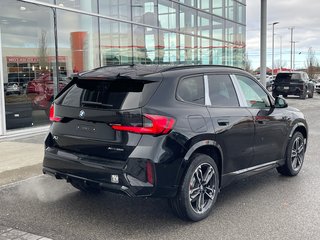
(119, 94)
(288, 76)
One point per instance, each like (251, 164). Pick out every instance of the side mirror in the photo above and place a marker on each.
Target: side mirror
(280, 102)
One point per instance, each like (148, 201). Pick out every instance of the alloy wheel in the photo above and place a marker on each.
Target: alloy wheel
(297, 153)
(202, 188)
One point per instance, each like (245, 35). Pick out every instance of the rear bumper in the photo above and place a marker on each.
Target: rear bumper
(132, 179)
(289, 90)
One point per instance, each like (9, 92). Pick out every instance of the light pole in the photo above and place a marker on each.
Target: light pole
(280, 53)
(263, 42)
(274, 23)
(291, 54)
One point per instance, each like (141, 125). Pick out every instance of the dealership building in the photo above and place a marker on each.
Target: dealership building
(43, 43)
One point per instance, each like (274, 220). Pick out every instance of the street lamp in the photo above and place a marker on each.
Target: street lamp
(274, 23)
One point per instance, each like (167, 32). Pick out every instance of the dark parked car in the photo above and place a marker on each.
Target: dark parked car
(293, 83)
(181, 133)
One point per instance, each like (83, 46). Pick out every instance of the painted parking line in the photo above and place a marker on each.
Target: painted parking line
(11, 233)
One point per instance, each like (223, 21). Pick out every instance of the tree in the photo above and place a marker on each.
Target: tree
(247, 64)
(280, 64)
(312, 63)
(43, 55)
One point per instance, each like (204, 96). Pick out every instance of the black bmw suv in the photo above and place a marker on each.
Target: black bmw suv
(181, 133)
(293, 83)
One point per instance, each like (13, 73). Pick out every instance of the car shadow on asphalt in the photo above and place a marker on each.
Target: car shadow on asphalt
(68, 208)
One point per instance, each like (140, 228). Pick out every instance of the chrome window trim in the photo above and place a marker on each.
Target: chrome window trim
(207, 100)
(240, 95)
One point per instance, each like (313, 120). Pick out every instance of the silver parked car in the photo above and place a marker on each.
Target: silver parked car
(13, 88)
(317, 88)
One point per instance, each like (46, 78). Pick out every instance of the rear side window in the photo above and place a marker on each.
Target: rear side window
(191, 89)
(119, 94)
(221, 91)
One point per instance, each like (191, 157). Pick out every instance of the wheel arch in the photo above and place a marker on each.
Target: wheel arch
(208, 147)
(299, 127)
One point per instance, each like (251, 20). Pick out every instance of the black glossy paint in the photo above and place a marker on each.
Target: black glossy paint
(242, 140)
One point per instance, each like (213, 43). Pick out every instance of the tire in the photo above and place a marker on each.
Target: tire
(304, 94)
(274, 95)
(294, 156)
(84, 187)
(285, 95)
(310, 94)
(201, 183)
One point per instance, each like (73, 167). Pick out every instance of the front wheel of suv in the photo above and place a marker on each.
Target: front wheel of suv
(310, 94)
(294, 156)
(199, 189)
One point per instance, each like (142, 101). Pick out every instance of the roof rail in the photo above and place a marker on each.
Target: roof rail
(178, 67)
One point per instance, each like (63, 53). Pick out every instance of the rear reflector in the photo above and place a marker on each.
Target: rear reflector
(149, 172)
(153, 124)
(52, 116)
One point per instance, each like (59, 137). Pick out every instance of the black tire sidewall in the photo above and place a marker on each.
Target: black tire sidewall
(288, 155)
(197, 160)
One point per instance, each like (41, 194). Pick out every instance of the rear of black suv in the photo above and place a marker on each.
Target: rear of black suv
(102, 137)
(293, 83)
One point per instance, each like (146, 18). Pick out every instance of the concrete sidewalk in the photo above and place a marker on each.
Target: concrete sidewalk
(21, 158)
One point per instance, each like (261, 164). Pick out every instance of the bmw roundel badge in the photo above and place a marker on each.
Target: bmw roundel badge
(82, 114)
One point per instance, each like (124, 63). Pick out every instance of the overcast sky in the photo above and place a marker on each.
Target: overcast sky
(303, 15)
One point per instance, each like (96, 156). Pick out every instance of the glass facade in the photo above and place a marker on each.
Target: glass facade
(43, 44)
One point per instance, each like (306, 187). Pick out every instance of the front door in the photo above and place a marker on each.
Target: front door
(270, 124)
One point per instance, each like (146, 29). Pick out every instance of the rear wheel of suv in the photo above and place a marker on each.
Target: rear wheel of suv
(285, 95)
(199, 189)
(84, 187)
(294, 156)
(303, 95)
(274, 95)
(310, 94)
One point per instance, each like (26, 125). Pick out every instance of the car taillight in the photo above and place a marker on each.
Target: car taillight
(52, 116)
(152, 124)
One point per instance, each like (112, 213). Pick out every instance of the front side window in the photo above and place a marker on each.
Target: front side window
(254, 95)
(191, 89)
(221, 91)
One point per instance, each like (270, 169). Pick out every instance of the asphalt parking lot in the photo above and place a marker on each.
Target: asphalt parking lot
(265, 206)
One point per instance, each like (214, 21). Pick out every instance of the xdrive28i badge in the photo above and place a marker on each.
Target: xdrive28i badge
(82, 114)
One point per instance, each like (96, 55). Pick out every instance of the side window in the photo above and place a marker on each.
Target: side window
(221, 91)
(191, 89)
(255, 96)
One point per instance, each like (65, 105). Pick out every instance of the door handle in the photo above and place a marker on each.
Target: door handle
(223, 122)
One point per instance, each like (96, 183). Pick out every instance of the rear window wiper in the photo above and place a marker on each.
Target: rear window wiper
(99, 104)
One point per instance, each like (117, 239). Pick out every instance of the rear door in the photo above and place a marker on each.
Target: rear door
(89, 108)
(234, 126)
